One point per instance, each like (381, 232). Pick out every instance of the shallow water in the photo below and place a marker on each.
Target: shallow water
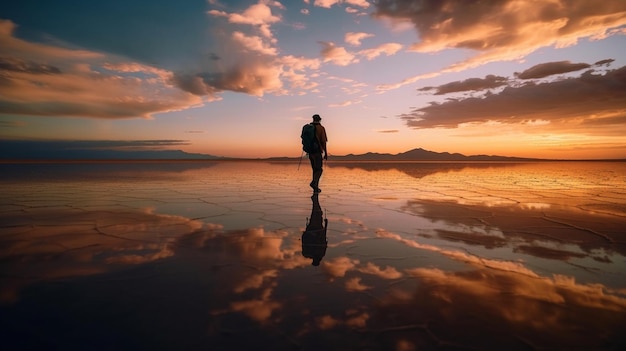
(211, 255)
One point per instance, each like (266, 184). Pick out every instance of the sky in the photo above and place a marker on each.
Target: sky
(542, 78)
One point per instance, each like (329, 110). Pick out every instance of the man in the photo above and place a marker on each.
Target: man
(316, 156)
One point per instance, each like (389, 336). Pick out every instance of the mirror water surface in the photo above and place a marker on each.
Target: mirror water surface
(240, 255)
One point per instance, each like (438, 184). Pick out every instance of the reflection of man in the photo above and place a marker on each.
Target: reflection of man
(314, 237)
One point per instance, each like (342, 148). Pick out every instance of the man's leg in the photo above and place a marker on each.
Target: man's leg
(316, 166)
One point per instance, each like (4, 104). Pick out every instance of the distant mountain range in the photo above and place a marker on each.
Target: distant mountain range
(33, 150)
(418, 155)
(68, 154)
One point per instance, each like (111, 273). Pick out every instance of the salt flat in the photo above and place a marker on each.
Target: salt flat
(419, 256)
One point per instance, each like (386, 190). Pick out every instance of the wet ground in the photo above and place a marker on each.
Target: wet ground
(239, 255)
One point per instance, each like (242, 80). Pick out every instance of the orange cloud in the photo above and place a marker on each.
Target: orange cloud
(505, 30)
(591, 103)
(386, 49)
(470, 84)
(254, 78)
(550, 68)
(354, 38)
(259, 15)
(336, 54)
(44, 80)
(254, 43)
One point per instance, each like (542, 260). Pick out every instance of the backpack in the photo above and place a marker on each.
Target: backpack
(309, 139)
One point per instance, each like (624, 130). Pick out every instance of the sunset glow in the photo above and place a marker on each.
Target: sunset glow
(239, 78)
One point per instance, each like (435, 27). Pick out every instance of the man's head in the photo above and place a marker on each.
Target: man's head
(317, 118)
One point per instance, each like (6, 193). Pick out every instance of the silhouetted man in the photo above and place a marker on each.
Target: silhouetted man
(316, 156)
(314, 237)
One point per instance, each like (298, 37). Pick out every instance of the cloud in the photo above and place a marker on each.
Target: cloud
(471, 84)
(326, 3)
(330, 3)
(254, 43)
(345, 103)
(360, 3)
(336, 54)
(389, 131)
(21, 66)
(386, 87)
(504, 30)
(44, 80)
(12, 124)
(259, 15)
(255, 78)
(354, 38)
(606, 62)
(550, 68)
(387, 49)
(591, 103)
(251, 63)
(91, 149)
(13, 47)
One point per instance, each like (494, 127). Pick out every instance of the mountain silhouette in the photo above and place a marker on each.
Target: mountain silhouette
(137, 150)
(424, 155)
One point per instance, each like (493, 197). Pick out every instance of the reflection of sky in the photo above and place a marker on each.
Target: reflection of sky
(418, 258)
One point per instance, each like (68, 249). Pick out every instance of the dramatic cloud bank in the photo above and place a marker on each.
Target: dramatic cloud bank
(44, 80)
(502, 30)
(592, 103)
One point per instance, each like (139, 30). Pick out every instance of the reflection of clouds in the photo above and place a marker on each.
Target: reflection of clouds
(354, 284)
(461, 256)
(357, 320)
(507, 297)
(260, 309)
(254, 243)
(338, 267)
(46, 244)
(386, 273)
(352, 318)
(265, 253)
(528, 305)
(254, 246)
(162, 251)
(256, 281)
(528, 227)
(327, 322)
